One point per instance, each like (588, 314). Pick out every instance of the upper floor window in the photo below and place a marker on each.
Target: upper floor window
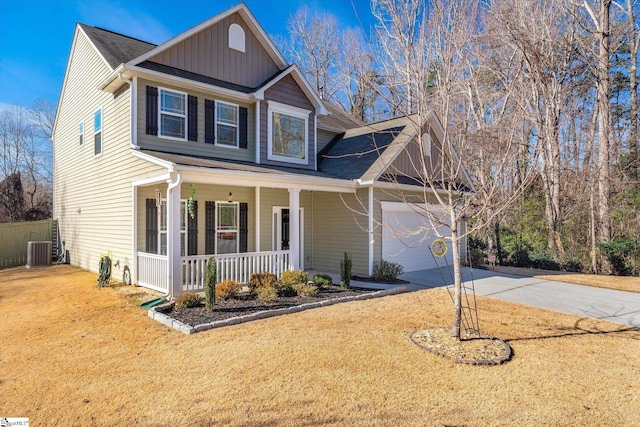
(81, 133)
(288, 133)
(173, 114)
(97, 131)
(226, 124)
(236, 37)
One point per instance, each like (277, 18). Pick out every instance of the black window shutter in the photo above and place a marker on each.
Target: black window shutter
(210, 228)
(244, 227)
(193, 118)
(242, 117)
(192, 229)
(152, 110)
(209, 121)
(152, 226)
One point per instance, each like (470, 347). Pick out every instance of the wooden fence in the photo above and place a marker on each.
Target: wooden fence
(15, 236)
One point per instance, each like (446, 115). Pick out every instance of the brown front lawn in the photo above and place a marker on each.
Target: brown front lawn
(73, 354)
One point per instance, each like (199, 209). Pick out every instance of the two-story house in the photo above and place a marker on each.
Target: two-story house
(213, 144)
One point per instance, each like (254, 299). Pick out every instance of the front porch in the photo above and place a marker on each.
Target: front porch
(183, 220)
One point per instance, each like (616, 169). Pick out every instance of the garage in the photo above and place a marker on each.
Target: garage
(407, 235)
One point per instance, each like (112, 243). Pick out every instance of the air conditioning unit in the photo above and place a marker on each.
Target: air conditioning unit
(38, 254)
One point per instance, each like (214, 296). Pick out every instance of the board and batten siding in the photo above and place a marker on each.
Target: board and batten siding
(193, 148)
(204, 193)
(336, 230)
(287, 92)
(93, 194)
(208, 53)
(407, 162)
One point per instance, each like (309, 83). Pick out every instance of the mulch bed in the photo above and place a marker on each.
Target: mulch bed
(472, 348)
(244, 305)
(369, 279)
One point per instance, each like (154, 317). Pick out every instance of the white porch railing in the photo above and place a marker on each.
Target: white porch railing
(152, 268)
(152, 272)
(238, 267)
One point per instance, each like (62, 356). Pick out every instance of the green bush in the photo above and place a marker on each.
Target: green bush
(262, 280)
(323, 280)
(266, 293)
(387, 271)
(188, 300)
(345, 271)
(543, 260)
(227, 289)
(210, 278)
(623, 256)
(290, 278)
(305, 290)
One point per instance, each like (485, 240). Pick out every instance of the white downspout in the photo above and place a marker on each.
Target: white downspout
(133, 116)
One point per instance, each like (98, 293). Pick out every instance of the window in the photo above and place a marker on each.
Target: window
(288, 133)
(97, 132)
(81, 132)
(236, 37)
(162, 230)
(226, 227)
(173, 114)
(226, 124)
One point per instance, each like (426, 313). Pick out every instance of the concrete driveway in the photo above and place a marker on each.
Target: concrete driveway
(611, 305)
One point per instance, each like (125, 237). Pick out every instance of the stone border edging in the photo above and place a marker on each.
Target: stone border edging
(188, 329)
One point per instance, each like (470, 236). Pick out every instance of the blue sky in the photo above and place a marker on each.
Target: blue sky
(36, 35)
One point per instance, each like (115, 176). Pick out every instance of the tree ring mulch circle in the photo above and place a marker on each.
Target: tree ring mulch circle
(472, 348)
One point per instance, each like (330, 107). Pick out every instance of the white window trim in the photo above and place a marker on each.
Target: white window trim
(237, 125)
(186, 225)
(160, 113)
(236, 38)
(100, 131)
(81, 131)
(301, 113)
(237, 231)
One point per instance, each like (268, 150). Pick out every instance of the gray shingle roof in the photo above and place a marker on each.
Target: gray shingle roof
(116, 48)
(350, 155)
(339, 120)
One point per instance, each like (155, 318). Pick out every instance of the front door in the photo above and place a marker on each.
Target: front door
(281, 231)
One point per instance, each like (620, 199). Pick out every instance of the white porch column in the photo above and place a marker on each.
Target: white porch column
(294, 226)
(173, 236)
(370, 226)
(257, 220)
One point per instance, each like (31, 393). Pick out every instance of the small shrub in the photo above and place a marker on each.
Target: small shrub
(290, 278)
(188, 300)
(210, 278)
(543, 260)
(519, 258)
(345, 271)
(227, 289)
(266, 293)
(387, 271)
(622, 254)
(262, 280)
(323, 280)
(571, 266)
(477, 257)
(286, 290)
(305, 290)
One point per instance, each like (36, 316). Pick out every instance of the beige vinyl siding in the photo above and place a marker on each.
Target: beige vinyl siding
(270, 197)
(193, 148)
(324, 137)
(336, 229)
(207, 53)
(99, 187)
(287, 92)
(204, 193)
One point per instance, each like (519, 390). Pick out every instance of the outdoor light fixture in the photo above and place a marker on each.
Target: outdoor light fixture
(230, 197)
(79, 210)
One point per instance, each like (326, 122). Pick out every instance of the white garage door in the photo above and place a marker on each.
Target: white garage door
(406, 238)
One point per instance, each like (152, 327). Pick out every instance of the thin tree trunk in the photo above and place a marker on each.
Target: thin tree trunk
(604, 185)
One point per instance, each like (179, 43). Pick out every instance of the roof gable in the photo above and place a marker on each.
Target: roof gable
(204, 50)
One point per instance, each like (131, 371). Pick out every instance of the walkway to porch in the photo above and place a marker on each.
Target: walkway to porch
(153, 269)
